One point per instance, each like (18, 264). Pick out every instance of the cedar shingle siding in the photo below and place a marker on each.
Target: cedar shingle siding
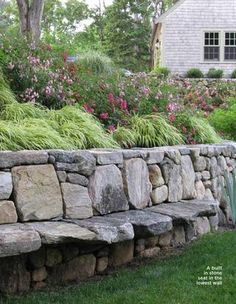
(183, 34)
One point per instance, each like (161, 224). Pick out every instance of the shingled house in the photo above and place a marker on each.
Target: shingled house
(196, 33)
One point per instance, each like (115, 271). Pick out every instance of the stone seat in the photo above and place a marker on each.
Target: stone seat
(144, 222)
(18, 238)
(187, 211)
(107, 229)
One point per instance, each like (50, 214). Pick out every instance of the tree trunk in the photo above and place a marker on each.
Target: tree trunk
(30, 18)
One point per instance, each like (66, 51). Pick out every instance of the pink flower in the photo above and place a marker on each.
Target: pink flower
(104, 116)
(111, 98)
(111, 128)
(88, 108)
(123, 105)
(172, 117)
(172, 107)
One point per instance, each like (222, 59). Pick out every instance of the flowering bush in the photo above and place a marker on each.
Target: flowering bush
(44, 76)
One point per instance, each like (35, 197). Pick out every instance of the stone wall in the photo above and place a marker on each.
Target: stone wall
(66, 215)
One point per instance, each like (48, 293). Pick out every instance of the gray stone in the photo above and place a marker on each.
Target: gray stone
(61, 176)
(159, 195)
(184, 151)
(198, 176)
(206, 175)
(16, 239)
(102, 264)
(214, 169)
(79, 268)
(14, 276)
(5, 185)
(37, 192)
(37, 258)
(62, 232)
(39, 275)
(109, 230)
(178, 235)
(7, 212)
(188, 178)
(75, 178)
(145, 223)
(208, 195)
(186, 211)
(200, 163)
(222, 164)
(82, 162)
(202, 226)
(165, 239)
(129, 153)
(121, 253)
(106, 190)
(11, 159)
(155, 157)
(173, 178)
(136, 183)
(174, 155)
(77, 203)
(150, 252)
(195, 153)
(108, 158)
(201, 191)
(155, 176)
(214, 222)
(53, 257)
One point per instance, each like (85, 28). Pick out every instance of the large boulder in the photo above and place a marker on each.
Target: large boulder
(173, 178)
(136, 181)
(106, 190)
(37, 192)
(77, 203)
(188, 178)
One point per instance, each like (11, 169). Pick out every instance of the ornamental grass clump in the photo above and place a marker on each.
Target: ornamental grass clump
(230, 194)
(148, 131)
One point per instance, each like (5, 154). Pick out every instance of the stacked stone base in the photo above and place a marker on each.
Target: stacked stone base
(76, 262)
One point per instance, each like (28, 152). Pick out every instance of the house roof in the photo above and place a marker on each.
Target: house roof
(170, 11)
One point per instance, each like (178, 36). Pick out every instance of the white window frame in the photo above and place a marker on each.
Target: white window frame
(222, 33)
(229, 31)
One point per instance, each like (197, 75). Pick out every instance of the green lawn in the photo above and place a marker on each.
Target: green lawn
(172, 280)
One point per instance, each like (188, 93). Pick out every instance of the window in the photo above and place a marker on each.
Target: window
(212, 46)
(230, 46)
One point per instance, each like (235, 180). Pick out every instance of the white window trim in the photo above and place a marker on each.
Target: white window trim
(228, 60)
(222, 46)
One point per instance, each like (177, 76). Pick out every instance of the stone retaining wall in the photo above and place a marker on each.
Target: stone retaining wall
(106, 205)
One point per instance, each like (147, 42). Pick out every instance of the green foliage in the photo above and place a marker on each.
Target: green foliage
(161, 71)
(230, 194)
(6, 95)
(233, 75)
(194, 73)
(196, 129)
(223, 120)
(125, 137)
(215, 73)
(127, 33)
(96, 62)
(149, 131)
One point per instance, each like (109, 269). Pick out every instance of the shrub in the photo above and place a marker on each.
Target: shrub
(6, 95)
(233, 75)
(161, 71)
(223, 120)
(215, 73)
(194, 73)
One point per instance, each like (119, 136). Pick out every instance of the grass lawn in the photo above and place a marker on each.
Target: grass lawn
(171, 280)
